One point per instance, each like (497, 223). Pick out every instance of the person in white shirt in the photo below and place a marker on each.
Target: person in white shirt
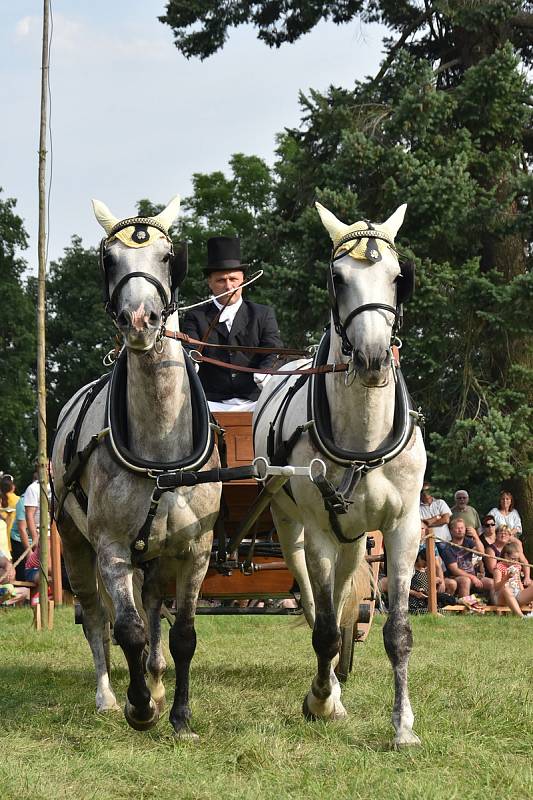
(435, 514)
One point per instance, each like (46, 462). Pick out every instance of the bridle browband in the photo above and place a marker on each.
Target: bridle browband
(340, 327)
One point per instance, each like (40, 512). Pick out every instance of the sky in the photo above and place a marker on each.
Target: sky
(131, 117)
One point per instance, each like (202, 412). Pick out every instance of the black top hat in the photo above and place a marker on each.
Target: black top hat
(224, 254)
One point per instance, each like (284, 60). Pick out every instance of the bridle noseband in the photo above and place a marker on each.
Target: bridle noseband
(340, 327)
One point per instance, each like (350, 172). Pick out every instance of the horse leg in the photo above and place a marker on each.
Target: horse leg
(397, 635)
(80, 561)
(114, 563)
(323, 700)
(152, 601)
(192, 568)
(291, 537)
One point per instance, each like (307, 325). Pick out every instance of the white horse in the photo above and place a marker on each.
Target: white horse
(117, 443)
(359, 422)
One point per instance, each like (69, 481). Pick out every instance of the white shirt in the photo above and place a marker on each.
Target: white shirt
(435, 509)
(228, 312)
(32, 497)
(512, 520)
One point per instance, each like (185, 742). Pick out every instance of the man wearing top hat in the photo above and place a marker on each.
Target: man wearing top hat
(235, 321)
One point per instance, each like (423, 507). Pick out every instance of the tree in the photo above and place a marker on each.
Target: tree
(445, 126)
(79, 333)
(17, 347)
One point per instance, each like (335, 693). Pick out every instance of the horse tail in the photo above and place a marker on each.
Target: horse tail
(363, 586)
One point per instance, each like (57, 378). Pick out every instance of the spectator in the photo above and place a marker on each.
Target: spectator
(444, 584)
(20, 539)
(434, 513)
(9, 594)
(32, 510)
(459, 563)
(507, 583)
(419, 591)
(495, 551)
(506, 514)
(8, 502)
(488, 537)
(466, 512)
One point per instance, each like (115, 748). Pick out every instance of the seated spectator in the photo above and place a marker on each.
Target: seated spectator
(506, 514)
(466, 512)
(494, 551)
(419, 591)
(10, 594)
(459, 563)
(444, 584)
(508, 586)
(487, 538)
(434, 513)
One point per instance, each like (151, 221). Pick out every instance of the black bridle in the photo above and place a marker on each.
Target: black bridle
(177, 267)
(371, 249)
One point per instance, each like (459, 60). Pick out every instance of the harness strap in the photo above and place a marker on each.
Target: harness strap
(199, 358)
(283, 351)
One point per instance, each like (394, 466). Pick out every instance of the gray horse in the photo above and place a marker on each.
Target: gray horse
(359, 422)
(118, 530)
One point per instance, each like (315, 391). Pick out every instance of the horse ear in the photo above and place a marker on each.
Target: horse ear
(394, 222)
(104, 216)
(334, 226)
(169, 214)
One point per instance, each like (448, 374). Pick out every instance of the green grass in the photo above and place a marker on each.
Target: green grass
(470, 686)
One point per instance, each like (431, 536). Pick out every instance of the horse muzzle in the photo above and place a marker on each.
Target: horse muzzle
(372, 367)
(139, 326)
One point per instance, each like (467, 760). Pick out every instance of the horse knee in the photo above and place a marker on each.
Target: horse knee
(182, 640)
(129, 632)
(397, 638)
(326, 636)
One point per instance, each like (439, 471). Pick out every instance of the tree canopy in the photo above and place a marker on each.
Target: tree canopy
(446, 127)
(17, 347)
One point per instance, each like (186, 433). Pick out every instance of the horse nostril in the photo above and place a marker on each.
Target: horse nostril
(123, 319)
(360, 360)
(154, 318)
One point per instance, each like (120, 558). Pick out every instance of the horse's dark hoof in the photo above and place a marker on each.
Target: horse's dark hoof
(140, 723)
(308, 714)
(185, 733)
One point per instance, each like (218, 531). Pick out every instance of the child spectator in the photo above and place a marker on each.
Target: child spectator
(508, 585)
(495, 550)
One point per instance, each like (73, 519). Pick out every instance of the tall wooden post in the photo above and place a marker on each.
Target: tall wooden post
(431, 572)
(41, 317)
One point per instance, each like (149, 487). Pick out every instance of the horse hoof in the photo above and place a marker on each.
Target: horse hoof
(108, 709)
(306, 711)
(186, 734)
(140, 724)
(406, 739)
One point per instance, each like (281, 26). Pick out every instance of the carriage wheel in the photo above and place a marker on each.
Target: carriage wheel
(358, 628)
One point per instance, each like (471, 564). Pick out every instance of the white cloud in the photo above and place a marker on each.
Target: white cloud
(25, 26)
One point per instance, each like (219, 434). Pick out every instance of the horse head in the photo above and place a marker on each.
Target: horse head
(364, 290)
(140, 272)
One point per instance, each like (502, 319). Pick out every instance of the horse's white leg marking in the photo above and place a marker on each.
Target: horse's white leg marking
(401, 546)
(80, 561)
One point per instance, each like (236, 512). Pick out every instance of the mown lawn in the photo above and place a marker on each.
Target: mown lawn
(471, 689)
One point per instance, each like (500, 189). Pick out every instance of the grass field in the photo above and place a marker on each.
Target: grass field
(471, 690)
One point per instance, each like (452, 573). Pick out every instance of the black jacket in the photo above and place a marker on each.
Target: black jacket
(254, 326)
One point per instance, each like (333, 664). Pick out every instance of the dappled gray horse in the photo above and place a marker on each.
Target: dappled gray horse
(359, 422)
(116, 441)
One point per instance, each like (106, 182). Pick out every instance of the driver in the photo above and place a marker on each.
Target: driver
(235, 321)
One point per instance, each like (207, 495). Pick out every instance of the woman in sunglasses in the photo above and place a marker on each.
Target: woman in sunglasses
(488, 537)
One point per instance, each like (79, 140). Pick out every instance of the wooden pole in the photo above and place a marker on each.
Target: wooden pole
(432, 573)
(41, 317)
